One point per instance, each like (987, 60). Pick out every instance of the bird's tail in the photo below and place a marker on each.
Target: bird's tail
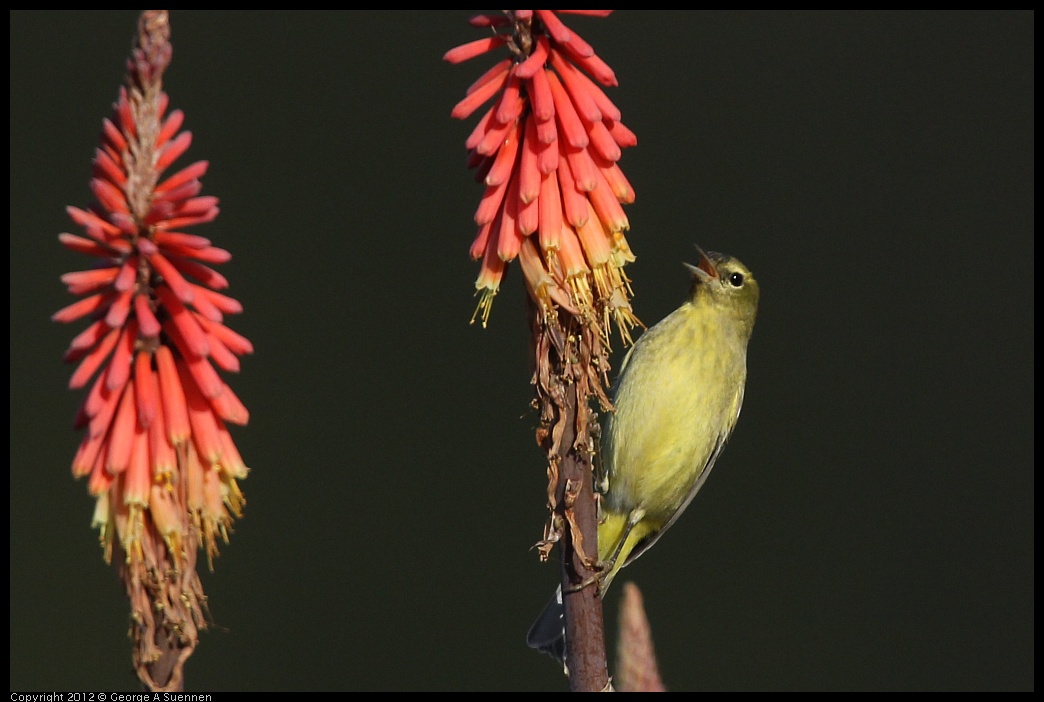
(548, 632)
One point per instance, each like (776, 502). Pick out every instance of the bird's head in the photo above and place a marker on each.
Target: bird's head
(724, 282)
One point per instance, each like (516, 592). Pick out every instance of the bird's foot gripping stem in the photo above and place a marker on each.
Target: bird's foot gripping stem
(607, 568)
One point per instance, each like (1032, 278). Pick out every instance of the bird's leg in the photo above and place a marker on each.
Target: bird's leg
(608, 566)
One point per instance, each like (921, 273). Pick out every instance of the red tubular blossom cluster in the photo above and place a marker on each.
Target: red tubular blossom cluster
(547, 152)
(156, 449)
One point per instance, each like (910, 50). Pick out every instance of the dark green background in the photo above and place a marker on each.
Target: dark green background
(870, 525)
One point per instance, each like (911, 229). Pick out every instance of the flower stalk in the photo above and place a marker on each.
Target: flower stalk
(636, 666)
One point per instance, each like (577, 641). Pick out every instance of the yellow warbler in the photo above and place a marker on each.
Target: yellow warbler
(677, 399)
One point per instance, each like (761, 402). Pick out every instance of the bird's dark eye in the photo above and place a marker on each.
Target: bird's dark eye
(736, 279)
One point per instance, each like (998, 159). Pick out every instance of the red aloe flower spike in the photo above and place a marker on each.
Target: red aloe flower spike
(547, 152)
(162, 465)
(543, 99)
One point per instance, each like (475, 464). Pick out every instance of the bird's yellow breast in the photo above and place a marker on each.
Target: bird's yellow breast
(678, 393)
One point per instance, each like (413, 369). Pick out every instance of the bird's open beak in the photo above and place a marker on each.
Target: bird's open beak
(704, 268)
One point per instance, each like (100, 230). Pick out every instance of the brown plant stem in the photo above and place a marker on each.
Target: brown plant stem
(585, 629)
(568, 359)
(636, 667)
